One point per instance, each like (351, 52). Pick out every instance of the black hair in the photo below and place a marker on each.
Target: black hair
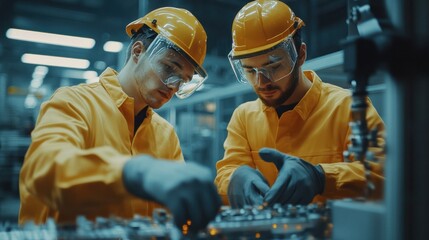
(297, 40)
(145, 34)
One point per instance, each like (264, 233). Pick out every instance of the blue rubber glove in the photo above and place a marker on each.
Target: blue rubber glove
(187, 190)
(247, 186)
(298, 181)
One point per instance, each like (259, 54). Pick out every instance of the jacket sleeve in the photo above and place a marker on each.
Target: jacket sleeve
(176, 150)
(237, 153)
(58, 168)
(348, 179)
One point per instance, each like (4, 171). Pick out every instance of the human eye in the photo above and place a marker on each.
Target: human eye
(273, 66)
(249, 70)
(169, 68)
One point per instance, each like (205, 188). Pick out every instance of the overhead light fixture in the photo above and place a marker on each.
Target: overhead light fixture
(55, 61)
(112, 46)
(50, 38)
(30, 101)
(38, 76)
(91, 76)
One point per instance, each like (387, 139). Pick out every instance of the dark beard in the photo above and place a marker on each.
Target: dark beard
(286, 94)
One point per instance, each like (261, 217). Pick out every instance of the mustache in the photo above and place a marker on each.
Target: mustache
(268, 88)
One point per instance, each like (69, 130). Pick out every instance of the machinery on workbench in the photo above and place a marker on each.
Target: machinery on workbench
(252, 222)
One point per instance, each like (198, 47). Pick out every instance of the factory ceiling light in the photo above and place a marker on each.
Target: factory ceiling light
(112, 46)
(55, 61)
(50, 38)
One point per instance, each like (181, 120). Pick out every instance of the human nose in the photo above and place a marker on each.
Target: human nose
(174, 86)
(262, 79)
(173, 83)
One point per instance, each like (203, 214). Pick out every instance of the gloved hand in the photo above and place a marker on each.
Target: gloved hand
(187, 190)
(247, 186)
(298, 181)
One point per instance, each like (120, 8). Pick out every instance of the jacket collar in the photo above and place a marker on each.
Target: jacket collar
(109, 80)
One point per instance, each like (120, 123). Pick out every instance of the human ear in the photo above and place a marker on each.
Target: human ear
(137, 49)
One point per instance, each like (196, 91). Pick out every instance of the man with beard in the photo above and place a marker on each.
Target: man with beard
(99, 149)
(287, 146)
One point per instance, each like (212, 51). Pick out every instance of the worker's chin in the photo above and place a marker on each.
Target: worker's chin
(157, 103)
(270, 102)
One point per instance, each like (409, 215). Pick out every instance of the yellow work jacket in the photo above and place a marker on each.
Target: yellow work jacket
(316, 130)
(83, 136)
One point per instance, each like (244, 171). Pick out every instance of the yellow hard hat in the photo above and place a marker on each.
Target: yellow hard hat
(262, 24)
(179, 26)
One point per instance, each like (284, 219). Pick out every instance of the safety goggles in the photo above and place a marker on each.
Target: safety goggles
(279, 63)
(174, 67)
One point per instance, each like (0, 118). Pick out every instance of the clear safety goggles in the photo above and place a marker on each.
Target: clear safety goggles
(174, 67)
(280, 62)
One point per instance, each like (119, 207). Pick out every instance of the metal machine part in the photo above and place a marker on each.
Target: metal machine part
(279, 222)
(29, 231)
(396, 52)
(356, 63)
(355, 220)
(142, 228)
(360, 62)
(252, 222)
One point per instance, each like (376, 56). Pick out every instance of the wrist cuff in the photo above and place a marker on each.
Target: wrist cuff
(321, 177)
